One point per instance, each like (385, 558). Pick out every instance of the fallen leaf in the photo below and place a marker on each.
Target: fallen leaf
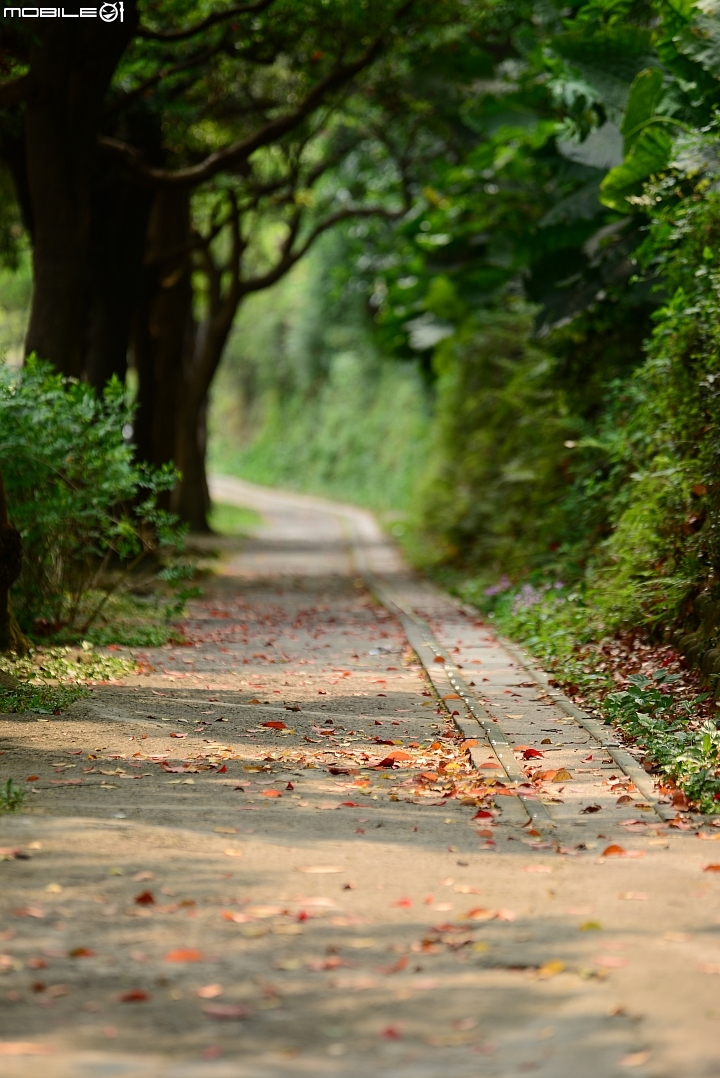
(711, 868)
(226, 1011)
(531, 754)
(32, 778)
(274, 725)
(563, 775)
(392, 1033)
(184, 954)
(589, 809)
(403, 903)
(209, 991)
(271, 793)
(178, 735)
(617, 851)
(233, 853)
(145, 898)
(30, 911)
(590, 926)
(634, 1059)
(81, 952)
(135, 995)
(551, 969)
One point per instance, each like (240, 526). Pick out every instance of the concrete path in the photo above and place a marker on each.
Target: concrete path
(272, 853)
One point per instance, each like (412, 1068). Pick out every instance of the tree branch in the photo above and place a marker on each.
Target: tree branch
(241, 151)
(212, 20)
(289, 257)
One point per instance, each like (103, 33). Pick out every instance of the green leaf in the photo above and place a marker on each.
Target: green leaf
(645, 95)
(622, 187)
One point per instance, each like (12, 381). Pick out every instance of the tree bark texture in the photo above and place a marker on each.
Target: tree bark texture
(11, 637)
(71, 67)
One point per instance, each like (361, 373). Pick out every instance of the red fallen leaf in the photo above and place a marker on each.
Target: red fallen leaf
(400, 965)
(393, 758)
(274, 725)
(81, 952)
(531, 754)
(404, 903)
(438, 659)
(321, 692)
(289, 786)
(392, 1033)
(350, 804)
(613, 851)
(135, 995)
(317, 965)
(32, 778)
(483, 814)
(145, 898)
(711, 868)
(184, 954)
(178, 735)
(226, 1011)
(271, 793)
(221, 770)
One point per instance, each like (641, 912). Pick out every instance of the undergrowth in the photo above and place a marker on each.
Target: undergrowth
(655, 710)
(12, 797)
(50, 679)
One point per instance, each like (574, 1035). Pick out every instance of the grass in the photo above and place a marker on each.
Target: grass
(51, 678)
(233, 519)
(659, 707)
(12, 797)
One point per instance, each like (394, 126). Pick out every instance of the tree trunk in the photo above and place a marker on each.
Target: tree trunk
(191, 497)
(71, 66)
(119, 225)
(11, 637)
(163, 326)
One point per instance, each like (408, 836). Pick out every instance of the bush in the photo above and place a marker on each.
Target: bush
(87, 513)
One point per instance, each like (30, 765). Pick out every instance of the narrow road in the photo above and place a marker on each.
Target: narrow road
(331, 837)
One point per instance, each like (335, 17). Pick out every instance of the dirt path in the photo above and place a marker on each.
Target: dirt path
(273, 854)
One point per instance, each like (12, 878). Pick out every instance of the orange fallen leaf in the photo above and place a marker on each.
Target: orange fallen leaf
(711, 868)
(271, 793)
(274, 725)
(403, 903)
(452, 696)
(81, 952)
(32, 778)
(613, 851)
(178, 735)
(469, 743)
(184, 954)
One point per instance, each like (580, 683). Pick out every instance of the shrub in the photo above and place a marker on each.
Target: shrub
(86, 511)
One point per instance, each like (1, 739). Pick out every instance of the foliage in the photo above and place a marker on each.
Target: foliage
(328, 415)
(86, 512)
(12, 798)
(233, 519)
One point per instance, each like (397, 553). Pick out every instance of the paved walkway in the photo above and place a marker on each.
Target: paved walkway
(272, 854)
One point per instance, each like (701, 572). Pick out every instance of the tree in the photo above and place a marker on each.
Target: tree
(111, 129)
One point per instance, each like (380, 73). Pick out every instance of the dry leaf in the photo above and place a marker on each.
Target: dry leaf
(184, 954)
(209, 991)
(318, 870)
(563, 775)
